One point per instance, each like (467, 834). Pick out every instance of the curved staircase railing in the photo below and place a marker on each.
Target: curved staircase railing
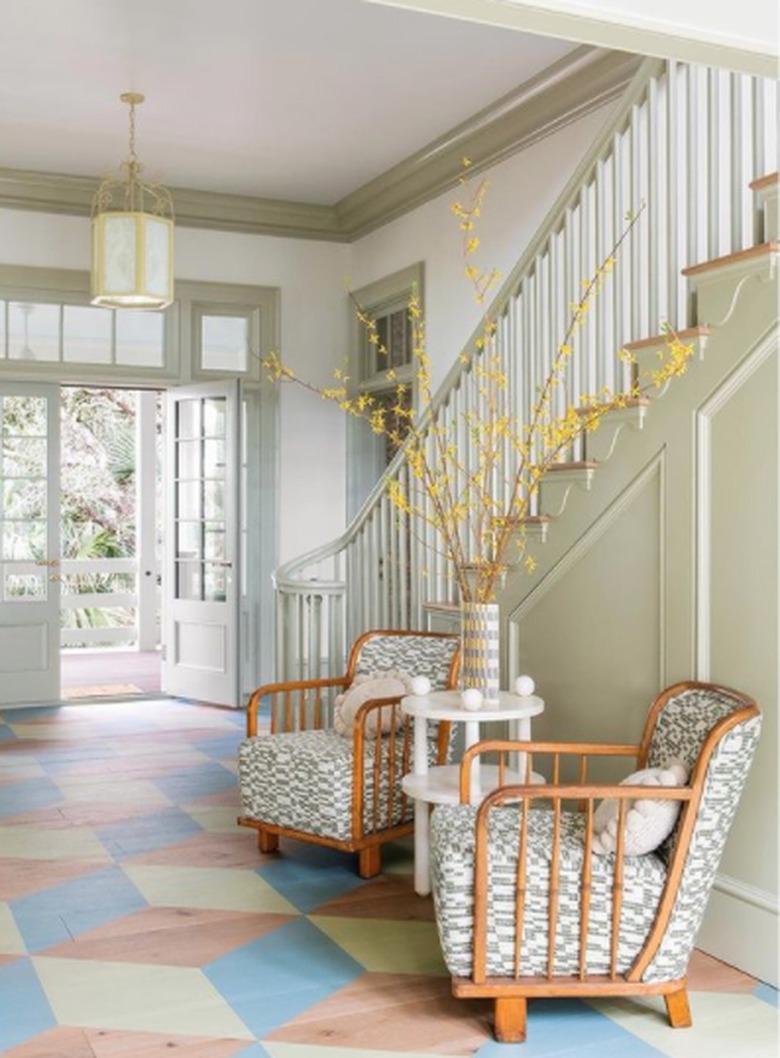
(685, 141)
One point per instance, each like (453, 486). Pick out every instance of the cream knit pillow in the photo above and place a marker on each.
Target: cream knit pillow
(391, 683)
(647, 822)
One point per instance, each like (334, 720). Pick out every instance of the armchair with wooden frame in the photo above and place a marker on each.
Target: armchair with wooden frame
(301, 779)
(524, 906)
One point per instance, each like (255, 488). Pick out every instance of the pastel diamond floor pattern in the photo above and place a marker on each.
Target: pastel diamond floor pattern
(138, 921)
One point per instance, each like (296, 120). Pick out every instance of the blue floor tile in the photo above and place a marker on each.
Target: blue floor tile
(767, 993)
(279, 976)
(27, 795)
(223, 748)
(24, 716)
(256, 1050)
(570, 1028)
(24, 1008)
(165, 826)
(187, 784)
(55, 915)
(307, 888)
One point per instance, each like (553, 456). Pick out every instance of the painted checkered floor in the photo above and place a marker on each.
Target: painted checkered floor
(136, 919)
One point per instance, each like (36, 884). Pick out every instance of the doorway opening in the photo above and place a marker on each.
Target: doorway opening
(110, 491)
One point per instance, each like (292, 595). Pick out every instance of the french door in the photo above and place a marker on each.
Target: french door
(29, 543)
(201, 579)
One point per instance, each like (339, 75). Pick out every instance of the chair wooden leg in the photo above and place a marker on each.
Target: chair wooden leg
(511, 1019)
(370, 861)
(266, 841)
(677, 1009)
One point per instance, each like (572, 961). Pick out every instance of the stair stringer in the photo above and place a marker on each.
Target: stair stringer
(686, 513)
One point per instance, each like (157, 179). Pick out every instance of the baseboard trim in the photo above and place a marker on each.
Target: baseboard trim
(741, 928)
(749, 894)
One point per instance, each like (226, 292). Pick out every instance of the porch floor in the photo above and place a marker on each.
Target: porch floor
(105, 673)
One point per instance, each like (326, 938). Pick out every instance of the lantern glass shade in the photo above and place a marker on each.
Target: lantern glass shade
(132, 260)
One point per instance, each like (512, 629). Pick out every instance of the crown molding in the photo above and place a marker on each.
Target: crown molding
(585, 79)
(569, 89)
(60, 193)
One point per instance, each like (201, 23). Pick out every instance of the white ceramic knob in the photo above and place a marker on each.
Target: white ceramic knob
(524, 686)
(420, 685)
(471, 698)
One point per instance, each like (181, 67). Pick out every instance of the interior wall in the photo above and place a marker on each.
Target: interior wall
(521, 191)
(667, 570)
(311, 280)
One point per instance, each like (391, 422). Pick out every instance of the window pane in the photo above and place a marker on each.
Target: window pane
(24, 416)
(214, 417)
(139, 339)
(398, 351)
(188, 580)
(24, 541)
(213, 500)
(214, 541)
(23, 457)
(188, 544)
(188, 507)
(214, 584)
(214, 459)
(224, 343)
(20, 586)
(189, 459)
(24, 499)
(188, 418)
(86, 334)
(33, 331)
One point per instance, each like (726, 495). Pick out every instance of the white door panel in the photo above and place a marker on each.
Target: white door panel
(29, 543)
(201, 585)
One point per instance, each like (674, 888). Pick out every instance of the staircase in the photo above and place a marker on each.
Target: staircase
(691, 144)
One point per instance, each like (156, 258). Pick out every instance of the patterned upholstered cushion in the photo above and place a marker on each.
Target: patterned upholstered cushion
(681, 730)
(452, 861)
(418, 655)
(723, 783)
(303, 781)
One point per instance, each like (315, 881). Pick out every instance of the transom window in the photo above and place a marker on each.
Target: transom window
(52, 333)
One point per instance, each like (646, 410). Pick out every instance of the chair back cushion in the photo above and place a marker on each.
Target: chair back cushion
(681, 729)
(419, 655)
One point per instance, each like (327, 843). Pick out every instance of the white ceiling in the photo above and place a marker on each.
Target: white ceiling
(294, 99)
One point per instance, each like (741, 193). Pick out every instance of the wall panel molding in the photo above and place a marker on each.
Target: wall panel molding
(702, 471)
(652, 470)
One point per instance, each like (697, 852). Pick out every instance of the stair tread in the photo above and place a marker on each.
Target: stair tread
(690, 333)
(582, 464)
(763, 249)
(631, 402)
(764, 181)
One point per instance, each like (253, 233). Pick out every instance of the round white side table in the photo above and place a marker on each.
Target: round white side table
(440, 784)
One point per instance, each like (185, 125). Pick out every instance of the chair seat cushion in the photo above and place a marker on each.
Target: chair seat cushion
(303, 781)
(452, 869)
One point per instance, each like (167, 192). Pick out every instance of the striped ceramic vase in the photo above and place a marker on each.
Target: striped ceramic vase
(480, 663)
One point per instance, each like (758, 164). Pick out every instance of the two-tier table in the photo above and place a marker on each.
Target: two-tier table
(440, 784)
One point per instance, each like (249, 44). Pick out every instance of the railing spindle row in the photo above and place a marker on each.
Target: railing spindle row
(683, 148)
